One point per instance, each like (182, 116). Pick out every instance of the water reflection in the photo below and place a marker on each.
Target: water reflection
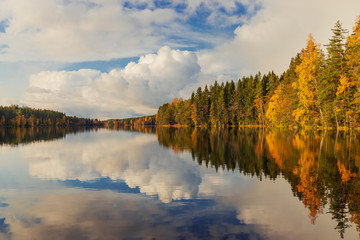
(184, 184)
(16, 136)
(134, 158)
(322, 169)
(79, 214)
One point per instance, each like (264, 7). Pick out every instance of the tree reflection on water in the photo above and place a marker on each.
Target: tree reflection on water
(322, 169)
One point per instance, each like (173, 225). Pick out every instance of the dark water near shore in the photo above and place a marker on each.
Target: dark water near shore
(178, 184)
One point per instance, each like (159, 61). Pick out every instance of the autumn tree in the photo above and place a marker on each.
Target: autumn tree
(278, 113)
(309, 111)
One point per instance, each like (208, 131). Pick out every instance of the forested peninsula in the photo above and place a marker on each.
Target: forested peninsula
(318, 90)
(16, 116)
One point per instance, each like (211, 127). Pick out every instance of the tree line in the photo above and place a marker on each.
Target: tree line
(15, 116)
(136, 121)
(318, 90)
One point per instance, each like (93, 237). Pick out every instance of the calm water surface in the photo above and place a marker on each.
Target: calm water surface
(178, 184)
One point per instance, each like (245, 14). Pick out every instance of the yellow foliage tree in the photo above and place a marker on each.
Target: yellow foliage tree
(352, 57)
(309, 111)
(353, 51)
(277, 112)
(344, 95)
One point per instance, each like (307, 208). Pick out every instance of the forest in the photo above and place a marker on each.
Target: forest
(136, 121)
(15, 116)
(318, 91)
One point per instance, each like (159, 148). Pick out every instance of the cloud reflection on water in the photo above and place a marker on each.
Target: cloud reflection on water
(79, 214)
(136, 160)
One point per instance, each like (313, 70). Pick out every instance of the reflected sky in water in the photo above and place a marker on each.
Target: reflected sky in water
(129, 185)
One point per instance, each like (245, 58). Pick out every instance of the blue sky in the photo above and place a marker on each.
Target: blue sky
(117, 58)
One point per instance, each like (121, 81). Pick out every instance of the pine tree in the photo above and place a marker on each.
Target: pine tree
(233, 108)
(214, 109)
(259, 103)
(240, 93)
(335, 66)
(272, 83)
(205, 105)
(248, 99)
(222, 106)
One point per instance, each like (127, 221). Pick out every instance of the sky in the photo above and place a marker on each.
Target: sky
(117, 58)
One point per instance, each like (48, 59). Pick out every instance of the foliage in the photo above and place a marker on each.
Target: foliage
(228, 104)
(308, 111)
(136, 121)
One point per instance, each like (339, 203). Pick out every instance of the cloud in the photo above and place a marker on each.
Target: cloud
(277, 31)
(51, 30)
(15, 78)
(138, 88)
(75, 30)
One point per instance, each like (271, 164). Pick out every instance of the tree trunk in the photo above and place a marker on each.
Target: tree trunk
(337, 122)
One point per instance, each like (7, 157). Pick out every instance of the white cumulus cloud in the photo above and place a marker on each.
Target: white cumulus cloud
(138, 88)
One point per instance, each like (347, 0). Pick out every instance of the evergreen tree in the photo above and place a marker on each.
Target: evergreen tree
(222, 100)
(214, 108)
(233, 108)
(335, 66)
(240, 93)
(205, 103)
(259, 104)
(272, 83)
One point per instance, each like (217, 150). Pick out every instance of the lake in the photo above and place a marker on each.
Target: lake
(166, 183)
